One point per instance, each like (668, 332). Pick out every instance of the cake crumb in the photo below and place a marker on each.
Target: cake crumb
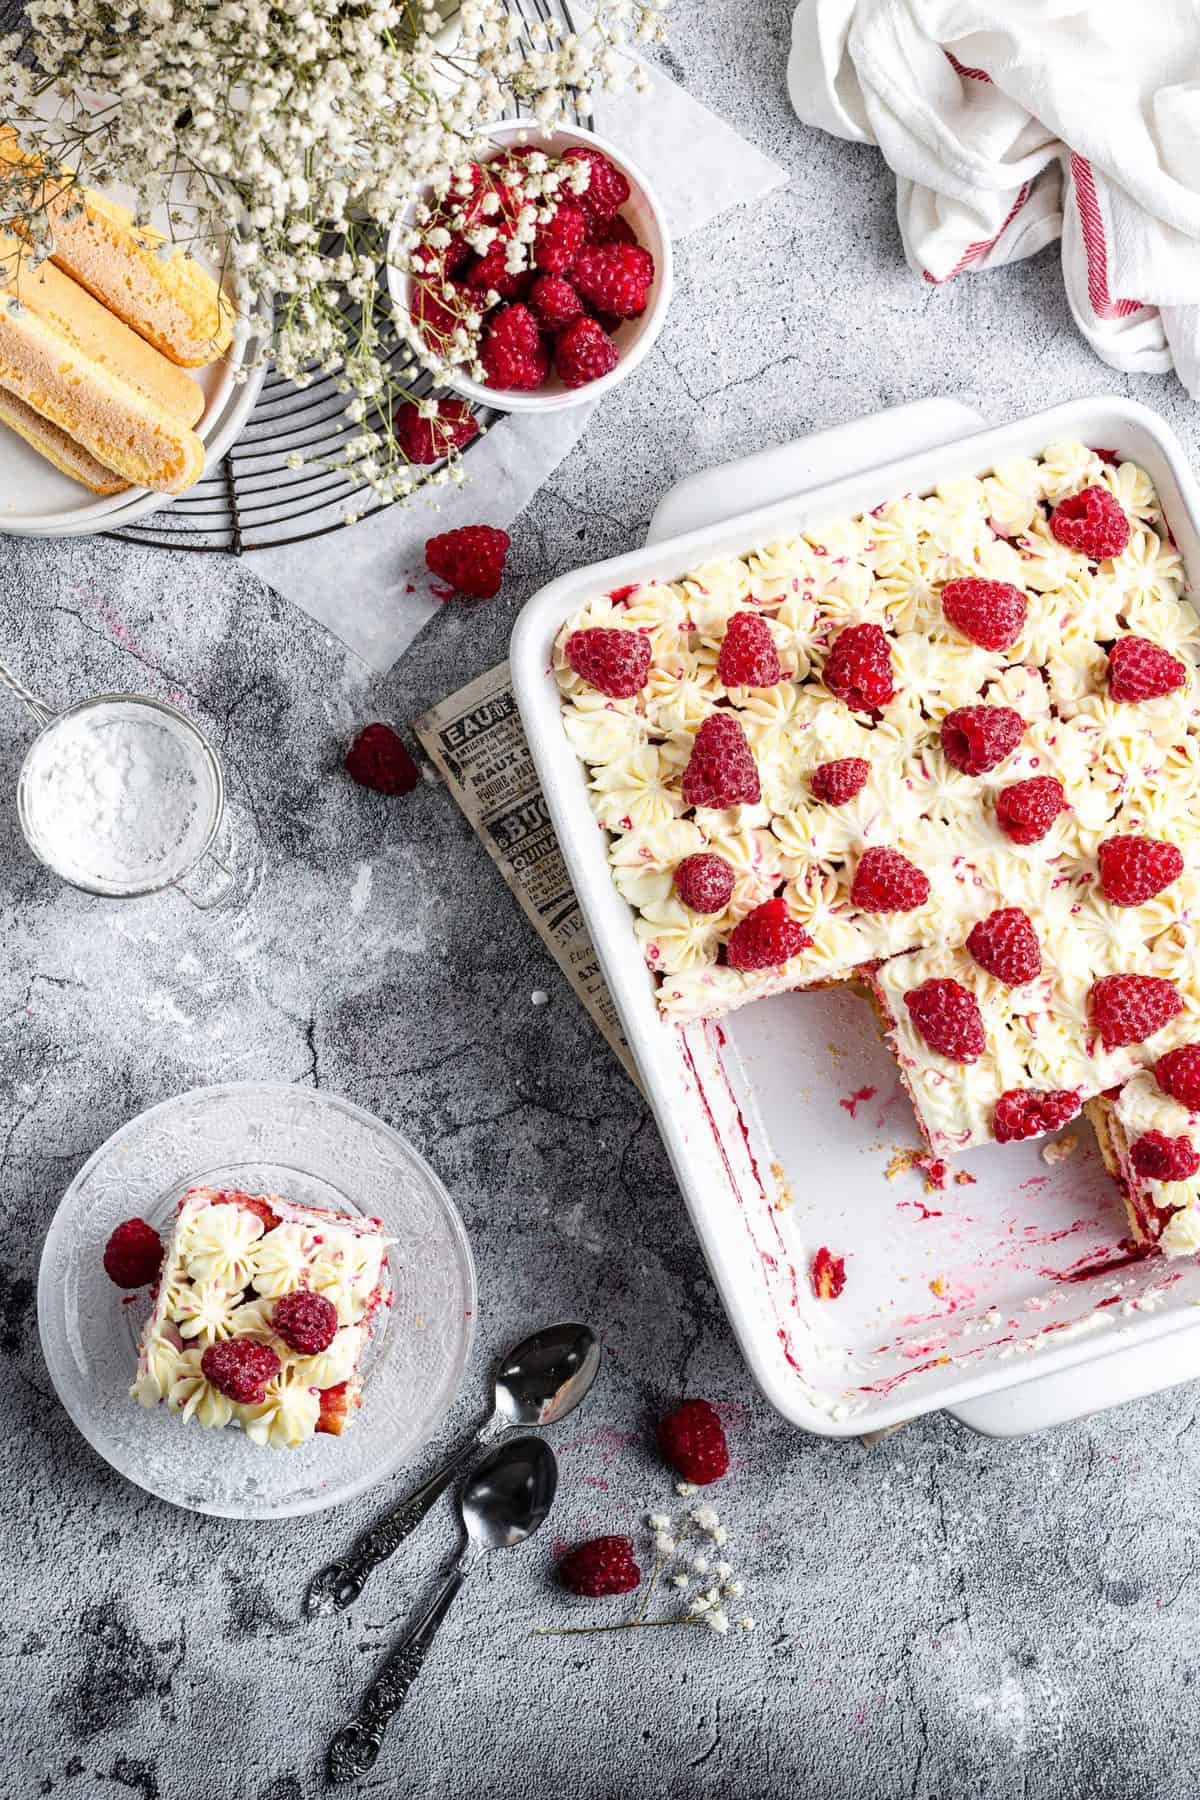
(964, 1178)
(934, 1168)
(937, 1286)
(784, 1195)
(1060, 1149)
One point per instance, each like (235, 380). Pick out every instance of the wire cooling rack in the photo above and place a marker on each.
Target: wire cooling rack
(252, 500)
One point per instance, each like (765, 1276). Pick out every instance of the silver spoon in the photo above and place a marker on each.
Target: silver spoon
(539, 1382)
(29, 700)
(503, 1502)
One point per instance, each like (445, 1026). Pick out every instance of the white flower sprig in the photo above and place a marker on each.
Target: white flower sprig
(285, 137)
(685, 1542)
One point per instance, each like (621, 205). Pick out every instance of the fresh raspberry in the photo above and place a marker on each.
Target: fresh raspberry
(559, 240)
(607, 188)
(471, 559)
(858, 668)
(603, 1565)
(612, 229)
(885, 881)
(429, 440)
(306, 1322)
(583, 353)
(828, 1274)
(492, 274)
(436, 317)
(614, 661)
(1006, 945)
(513, 354)
(1158, 1157)
(748, 655)
(948, 1018)
(976, 738)
(990, 613)
(766, 938)
(240, 1369)
(704, 882)
(555, 302)
(1127, 1009)
(837, 782)
(614, 278)
(1178, 1074)
(1134, 869)
(251, 1203)
(1027, 1112)
(1026, 810)
(133, 1254)
(691, 1441)
(1140, 670)
(1092, 522)
(378, 759)
(721, 770)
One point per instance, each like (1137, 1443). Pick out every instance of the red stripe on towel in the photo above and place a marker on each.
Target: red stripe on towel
(1095, 248)
(973, 252)
(963, 70)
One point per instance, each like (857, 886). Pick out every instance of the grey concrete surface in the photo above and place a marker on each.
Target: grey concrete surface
(939, 1618)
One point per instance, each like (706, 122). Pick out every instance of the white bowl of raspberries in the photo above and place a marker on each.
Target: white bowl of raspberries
(562, 318)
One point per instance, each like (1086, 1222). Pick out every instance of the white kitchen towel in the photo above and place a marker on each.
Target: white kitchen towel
(370, 585)
(1011, 122)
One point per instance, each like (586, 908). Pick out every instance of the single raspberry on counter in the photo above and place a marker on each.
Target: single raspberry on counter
(766, 938)
(614, 278)
(133, 1254)
(557, 241)
(1133, 869)
(252, 1203)
(429, 440)
(1128, 1009)
(858, 668)
(240, 1369)
(721, 770)
(1178, 1074)
(691, 1441)
(977, 738)
(1006, 945)
(748, 655)
(378, 759)
(602, 1566)
(1141, 670)
(1027, 1112)
(704, 882)
(885, 881)
(513, 354)
(607, 188)
(307, 1322)
(555, 302)
(471, 559)
(491, 274)
(948, 1018)
(583, 352)
(612, 229)
(1158, 1157)
(614, 661)
(837, 782)
(990, 613)
(1091, 522)
(828, 1274)
(1026, 810)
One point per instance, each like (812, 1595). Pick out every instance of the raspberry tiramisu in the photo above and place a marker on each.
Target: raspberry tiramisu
(262, 1312)
(950, 750)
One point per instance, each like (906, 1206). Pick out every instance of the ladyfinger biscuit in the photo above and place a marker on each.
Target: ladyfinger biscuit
(53, 443)
(119, 426)
(169, 300)
(50, 293)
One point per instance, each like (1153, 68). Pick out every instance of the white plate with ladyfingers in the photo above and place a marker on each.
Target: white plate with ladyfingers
(119, 368)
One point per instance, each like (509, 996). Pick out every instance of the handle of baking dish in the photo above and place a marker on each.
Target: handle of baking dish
(1129, 1373)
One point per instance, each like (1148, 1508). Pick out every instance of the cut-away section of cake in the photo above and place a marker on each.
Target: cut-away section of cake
(261, 1316)
(1147, 1139)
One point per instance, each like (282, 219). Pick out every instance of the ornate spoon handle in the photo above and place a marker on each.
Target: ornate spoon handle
(354, 1750)
(339, 1584)
(29, 700)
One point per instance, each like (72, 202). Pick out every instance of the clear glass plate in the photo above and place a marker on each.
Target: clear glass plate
(317, 1150)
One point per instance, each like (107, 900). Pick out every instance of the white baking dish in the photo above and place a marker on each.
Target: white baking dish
(1025, 1325)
